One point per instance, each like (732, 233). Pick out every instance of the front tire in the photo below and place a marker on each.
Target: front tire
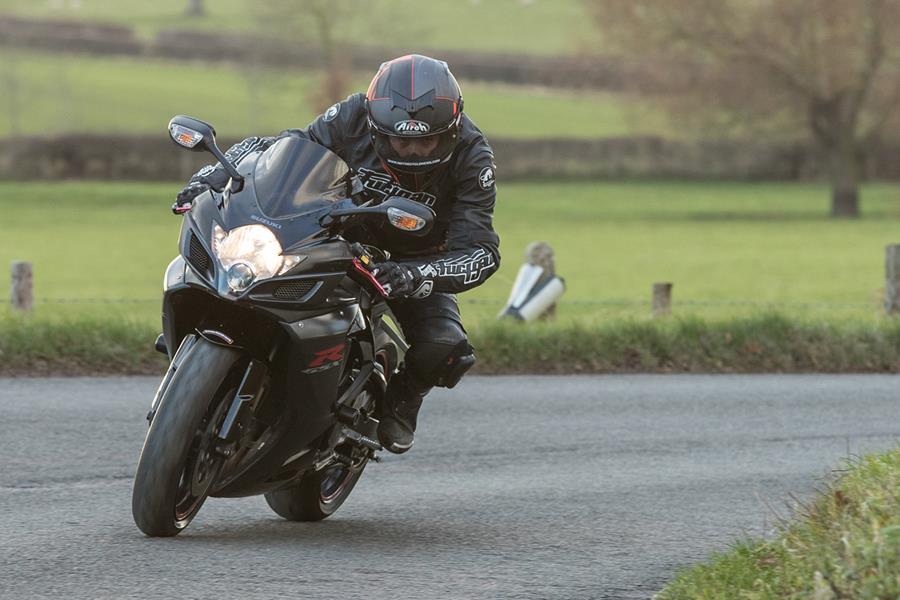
(178, 463)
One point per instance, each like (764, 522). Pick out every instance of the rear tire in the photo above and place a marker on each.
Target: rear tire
(178, 465)
(318, 495)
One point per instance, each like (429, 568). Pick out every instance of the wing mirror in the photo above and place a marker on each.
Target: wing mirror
(199, 136)
(404, 214)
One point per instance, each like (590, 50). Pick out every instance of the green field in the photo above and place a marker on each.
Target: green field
(517, 26)
(55, 93)
(730, 248)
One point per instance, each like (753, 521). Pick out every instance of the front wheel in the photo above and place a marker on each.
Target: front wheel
(178, 463)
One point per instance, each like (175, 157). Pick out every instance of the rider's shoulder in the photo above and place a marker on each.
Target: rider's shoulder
(472, 141)
(348, 114)
(347, 111)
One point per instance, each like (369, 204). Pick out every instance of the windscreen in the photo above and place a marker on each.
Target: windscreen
(296, 176)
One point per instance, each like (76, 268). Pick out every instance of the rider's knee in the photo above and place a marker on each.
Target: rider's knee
(441, 354)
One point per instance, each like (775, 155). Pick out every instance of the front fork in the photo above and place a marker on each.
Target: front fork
(244, 403)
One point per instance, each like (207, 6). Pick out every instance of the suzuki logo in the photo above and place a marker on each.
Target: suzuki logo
(272, 224)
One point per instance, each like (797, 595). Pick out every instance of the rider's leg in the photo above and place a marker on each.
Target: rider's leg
(439, 355)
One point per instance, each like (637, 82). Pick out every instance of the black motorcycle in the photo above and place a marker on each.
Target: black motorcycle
(280, 339)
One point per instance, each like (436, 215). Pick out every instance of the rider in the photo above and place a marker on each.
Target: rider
(408, 136)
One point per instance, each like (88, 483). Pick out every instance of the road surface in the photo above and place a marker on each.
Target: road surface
(517, 487)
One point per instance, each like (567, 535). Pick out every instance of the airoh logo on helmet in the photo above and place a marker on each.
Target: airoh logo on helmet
(412, 127)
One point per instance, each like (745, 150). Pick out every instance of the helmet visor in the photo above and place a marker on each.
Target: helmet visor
(415, 154)
(408, 147)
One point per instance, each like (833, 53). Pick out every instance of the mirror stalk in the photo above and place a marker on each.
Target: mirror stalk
(230, 168)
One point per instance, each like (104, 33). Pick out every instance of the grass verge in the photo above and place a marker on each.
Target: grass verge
(758, 344)
(845, 544)
(82, 346)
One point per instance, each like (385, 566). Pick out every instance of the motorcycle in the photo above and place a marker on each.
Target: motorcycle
(280, 340)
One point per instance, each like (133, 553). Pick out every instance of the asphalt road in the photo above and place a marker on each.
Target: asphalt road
(518, 487)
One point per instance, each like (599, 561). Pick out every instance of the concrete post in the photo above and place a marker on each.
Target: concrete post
(541, 254)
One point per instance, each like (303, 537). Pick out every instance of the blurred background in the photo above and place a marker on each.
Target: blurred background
(744, 151)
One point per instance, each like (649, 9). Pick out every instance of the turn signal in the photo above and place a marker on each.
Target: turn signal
(403, 220)
(184, 136)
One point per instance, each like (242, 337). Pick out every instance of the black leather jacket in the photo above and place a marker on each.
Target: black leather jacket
(462, 250)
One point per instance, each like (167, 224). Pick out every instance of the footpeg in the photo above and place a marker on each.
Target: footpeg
(358, 439)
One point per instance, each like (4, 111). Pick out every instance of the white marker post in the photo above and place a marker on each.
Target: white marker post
(537, 288)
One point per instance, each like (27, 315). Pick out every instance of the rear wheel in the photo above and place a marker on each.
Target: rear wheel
(179, 463)
(318, 495)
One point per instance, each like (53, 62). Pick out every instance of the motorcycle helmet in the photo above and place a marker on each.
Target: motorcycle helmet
(414, 106)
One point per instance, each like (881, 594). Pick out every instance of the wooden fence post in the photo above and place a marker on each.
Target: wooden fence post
(22, 295)
(892, 279)
(662, 299)
(541, 255)
(195, 8)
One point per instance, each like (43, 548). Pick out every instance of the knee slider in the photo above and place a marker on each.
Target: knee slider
(458, 363)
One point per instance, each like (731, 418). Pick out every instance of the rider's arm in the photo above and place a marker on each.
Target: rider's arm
(473, 247)
(215, 176)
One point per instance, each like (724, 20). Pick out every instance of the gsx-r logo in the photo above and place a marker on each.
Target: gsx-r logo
(411, 127)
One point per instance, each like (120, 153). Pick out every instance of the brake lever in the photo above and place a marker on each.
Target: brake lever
(369, 276)
(364, 265)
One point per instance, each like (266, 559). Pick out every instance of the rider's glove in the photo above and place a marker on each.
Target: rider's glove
(185, 198)
(402, 281)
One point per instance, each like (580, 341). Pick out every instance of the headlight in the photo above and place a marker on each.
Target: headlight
(249, 253)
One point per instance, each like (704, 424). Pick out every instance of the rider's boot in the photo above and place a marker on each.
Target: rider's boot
(398, 412)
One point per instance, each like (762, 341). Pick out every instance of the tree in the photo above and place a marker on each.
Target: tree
(830, 68)
(11, 79)
(327, 23)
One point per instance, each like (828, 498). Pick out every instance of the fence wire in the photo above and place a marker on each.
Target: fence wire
(608, 302)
